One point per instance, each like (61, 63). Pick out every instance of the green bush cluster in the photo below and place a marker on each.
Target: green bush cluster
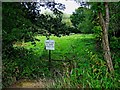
(24, 65)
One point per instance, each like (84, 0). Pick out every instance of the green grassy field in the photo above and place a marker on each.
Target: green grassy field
(65, 46)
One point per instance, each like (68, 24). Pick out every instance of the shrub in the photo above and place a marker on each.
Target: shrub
(24, 64)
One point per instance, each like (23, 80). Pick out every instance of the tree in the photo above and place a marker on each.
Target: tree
(15, 27)
(81, 20)
(33, 9)
(102, 10)
(105, 26)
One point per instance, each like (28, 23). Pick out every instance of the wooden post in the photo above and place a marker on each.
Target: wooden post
(49, 56)
(49, 52)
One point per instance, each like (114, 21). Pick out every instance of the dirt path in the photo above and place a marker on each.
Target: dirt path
(41, 83)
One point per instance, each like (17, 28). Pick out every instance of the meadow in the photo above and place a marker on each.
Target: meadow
(73, 45)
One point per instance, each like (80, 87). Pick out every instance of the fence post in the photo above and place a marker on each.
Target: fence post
(49, 56)
(49, 52)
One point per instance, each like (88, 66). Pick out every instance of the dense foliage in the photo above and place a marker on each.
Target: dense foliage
(114, 19)
(82, 20)
(15, 27)
(53, 24)
(114, 34)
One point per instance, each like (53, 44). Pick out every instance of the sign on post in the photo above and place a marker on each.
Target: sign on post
(50, 44)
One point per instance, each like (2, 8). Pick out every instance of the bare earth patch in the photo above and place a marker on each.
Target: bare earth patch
(41, 83)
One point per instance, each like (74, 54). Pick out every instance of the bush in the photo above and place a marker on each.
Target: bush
(23, 65)
(115, 43)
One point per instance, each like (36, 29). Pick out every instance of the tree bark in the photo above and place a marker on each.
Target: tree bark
(105, 41)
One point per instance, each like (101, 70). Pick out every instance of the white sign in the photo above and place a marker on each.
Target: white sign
(50, 44)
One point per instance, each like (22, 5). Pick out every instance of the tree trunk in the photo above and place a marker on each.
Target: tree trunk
(105, 42)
